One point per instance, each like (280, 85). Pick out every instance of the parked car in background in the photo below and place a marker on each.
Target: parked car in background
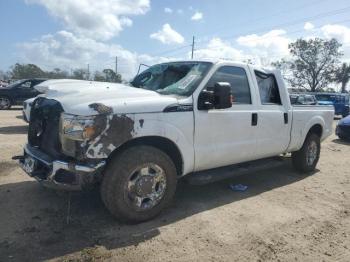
(187, 118)
(343, 128)
(16, 93)
(303, 99)
(339, 101)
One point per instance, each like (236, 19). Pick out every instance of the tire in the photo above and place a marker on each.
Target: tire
(343, 138)
(5, 103)
(302, 160)
(125, 182)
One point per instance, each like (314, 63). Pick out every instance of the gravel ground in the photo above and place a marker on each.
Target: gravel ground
(282, 216)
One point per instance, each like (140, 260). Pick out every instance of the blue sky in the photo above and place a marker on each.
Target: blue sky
(71, 34)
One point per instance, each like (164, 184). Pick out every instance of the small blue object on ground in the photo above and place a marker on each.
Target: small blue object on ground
(238, 187)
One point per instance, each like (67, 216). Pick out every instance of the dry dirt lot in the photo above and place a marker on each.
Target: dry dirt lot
(283, 216)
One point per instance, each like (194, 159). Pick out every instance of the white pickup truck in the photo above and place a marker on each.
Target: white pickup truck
(188, 118)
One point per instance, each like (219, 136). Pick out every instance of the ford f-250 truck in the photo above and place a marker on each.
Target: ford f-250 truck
(174, 119)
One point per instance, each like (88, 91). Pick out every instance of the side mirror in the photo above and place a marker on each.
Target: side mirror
(219, 98)
(223, 95)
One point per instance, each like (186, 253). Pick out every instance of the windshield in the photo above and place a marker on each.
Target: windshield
(15, 83)
(178, 78)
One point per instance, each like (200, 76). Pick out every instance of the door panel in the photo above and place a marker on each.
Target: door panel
(274, 124)
(226, 136)
(273, 133)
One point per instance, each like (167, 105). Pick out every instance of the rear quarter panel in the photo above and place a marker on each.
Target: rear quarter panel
(304, 118)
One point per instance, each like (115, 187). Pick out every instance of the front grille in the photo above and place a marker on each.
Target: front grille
(43, 129)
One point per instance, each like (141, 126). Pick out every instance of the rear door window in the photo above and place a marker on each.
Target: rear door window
(268, 88)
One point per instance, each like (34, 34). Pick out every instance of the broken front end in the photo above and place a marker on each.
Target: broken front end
(65, 151)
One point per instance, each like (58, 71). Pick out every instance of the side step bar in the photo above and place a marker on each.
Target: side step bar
(217, 174)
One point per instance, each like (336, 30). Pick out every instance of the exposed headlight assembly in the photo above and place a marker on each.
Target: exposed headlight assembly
(79, 128)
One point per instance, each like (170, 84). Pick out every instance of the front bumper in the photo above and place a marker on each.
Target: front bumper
(58, 174)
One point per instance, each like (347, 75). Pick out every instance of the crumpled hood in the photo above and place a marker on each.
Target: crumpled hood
(76, 96)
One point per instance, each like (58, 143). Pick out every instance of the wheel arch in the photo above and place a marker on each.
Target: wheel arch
(162, 143)
(316, 129)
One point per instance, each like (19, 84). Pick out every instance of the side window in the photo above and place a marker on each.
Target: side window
(237, 77)
(26, 84)
(301, 99)
(269, 93)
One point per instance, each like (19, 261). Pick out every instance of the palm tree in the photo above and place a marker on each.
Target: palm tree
(342, 76)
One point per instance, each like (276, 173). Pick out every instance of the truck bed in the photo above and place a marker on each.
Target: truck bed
(306, 116)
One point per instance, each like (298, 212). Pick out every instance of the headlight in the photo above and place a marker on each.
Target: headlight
(78, 128)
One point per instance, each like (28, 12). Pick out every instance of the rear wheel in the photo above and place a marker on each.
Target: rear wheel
(5, 103)
(305, 160)
(138, 184)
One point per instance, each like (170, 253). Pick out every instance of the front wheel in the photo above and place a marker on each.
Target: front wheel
(138, 184)
(305, 160)
(5, 103)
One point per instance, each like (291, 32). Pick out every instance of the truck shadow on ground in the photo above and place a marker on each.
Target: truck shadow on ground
(33, 224)
(11, 130)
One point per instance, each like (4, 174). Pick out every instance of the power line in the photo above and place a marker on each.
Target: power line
(251, 21)
(318, 16)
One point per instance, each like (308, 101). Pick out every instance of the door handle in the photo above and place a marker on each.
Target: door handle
(285, 115)
(254, 119)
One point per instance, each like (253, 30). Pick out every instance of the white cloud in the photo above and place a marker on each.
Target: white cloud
(168, 10)
(273, 43)
(66, 50)
(308, 26)
(197, 16)
(217, 48)
(340, 32)
(167, 35)
(102, 19)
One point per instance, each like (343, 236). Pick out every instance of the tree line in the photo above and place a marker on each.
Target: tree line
(313, 65)
(25, 71)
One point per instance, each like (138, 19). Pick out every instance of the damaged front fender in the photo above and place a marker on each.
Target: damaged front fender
(116, 130)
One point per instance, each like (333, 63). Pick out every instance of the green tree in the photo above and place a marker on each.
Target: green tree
(313, 63)
(99, 76)
(4, 75)
(342, 76)
(57, 74)
(111, 76)
(79, 74)
(23, 71)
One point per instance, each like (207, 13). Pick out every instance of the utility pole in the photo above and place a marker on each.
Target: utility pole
(88, 72)
(192, 47)
(116, 65)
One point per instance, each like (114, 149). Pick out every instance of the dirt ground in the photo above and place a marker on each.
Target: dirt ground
(282, 216)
